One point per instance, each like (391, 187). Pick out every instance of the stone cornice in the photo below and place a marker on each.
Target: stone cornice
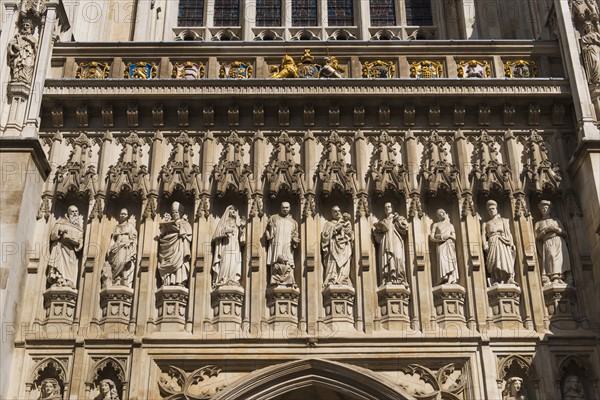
(13, 144)
(269, 88)
(429, 48)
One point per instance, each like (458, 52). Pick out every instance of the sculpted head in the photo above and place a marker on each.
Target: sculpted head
(123, 215)
(388, 209)
(545, 206)
(514, 384)
(285, 208)
(26, 27)
(49, 387)
(176, 210)
(492, 208)
(107, 386)
(73, 214)
(441, 214)
(336, 213)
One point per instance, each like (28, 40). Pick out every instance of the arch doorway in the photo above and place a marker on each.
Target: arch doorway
(313, 379)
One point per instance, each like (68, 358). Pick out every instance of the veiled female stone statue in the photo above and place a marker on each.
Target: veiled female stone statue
(337, 240)
(174, 247)
(498, 243)
(573, 389)
(512, 389)
(108, 390)
(66, 240)
(21, 53)
(590, 42)
(228, 238)
(552, 245)
(50, 390)
(388, 234)
(122, 254)
(282, 237)
(443, 234)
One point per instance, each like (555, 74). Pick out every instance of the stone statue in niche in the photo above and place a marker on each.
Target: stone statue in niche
(21, 52)
(499, 246)
(122, 254)
(337, 241)
(108, 390)
(50, 390)
(174, 247)
(513, 389)
(228, 239)
(283, 238)
(443, 234)
(388, 234)
(590, 43)
(573, 388)
(67, 241)
(552, 245)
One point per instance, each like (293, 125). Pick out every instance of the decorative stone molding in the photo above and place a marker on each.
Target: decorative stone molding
(133, 115)
(183, 116)
(448, 382)
(202, 384)
(81, 116)
(107, 116)
(488, 173)
(110, 371)
(282, 302)
(540, 173)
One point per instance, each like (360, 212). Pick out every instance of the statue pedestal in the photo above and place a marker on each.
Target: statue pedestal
(171, 302)
(338, 301)
(282, 302)
(393, 306)
(504, 300)
(59, 302)
(449, 303)
(560, 301)
(115, 302)
(227, 304)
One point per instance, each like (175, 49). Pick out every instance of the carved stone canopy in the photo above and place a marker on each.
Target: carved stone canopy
(437, 172)
(129, 175)
(282, 174)
(78, 175)
(180, 173)
(333, 173)
(231, 173)
(384, 172)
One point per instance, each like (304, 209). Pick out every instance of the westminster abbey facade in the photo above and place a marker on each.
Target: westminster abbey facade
(292, 199)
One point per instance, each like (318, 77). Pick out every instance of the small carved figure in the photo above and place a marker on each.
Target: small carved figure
(388, 234)
(513, 389)
(121, 256)
(21, 52)
(331, 68)
(336, 242)
(67, 240)
(287, 68)
(282, 237)
(498, 243)
(50, 390)
(228, 238)
(108, 390)
(591, 51)
(552, 245)
(573, 388)
(174, 247)
(443, 234)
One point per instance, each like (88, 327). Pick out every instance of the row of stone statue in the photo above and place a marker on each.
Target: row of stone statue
(50, 390)
(572, 389)
(282, 236)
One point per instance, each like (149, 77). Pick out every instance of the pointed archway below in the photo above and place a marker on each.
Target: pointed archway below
(314, 379)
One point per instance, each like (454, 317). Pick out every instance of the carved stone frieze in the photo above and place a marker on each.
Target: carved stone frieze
(201, 384)
(333, 172)
(129, 174)
(180, 172)
(231, 173)
(282, 174)
(448, 382)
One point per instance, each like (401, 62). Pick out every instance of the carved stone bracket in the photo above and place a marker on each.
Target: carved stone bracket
(115, 302)
(393, 303)
(171, 302)
(449, 303)
(504, 300)
(231, 173)
(226, 302)
(282, 302)
(180, 173)
(338, 301)
(59, 302)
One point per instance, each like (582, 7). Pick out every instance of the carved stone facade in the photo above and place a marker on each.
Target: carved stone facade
(328, 220)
